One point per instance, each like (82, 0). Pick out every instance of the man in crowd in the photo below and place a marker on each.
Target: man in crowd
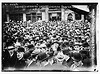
(41, 34)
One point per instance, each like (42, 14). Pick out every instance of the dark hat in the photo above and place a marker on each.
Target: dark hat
(77, 56)
(21, 49)
(64, 44)
(65, 51)
(30, 46)
(48, 45)
(85, 44)
(26, 40)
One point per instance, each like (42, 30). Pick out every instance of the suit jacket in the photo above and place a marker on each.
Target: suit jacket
(5, 58)
(9, 61)
(20, 64)
(13, 59)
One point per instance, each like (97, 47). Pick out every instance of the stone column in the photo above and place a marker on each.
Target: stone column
(62, 14)
(46, 14)
(8, 19)
(24, 17)
(43, 16)
(73, 13)
(82, 17)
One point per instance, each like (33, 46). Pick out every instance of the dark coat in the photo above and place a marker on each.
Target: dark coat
(42, 57)
(87, 62)
(20, 64)
(5, 58)
(13, 60)
(9, 61)
(68, 63)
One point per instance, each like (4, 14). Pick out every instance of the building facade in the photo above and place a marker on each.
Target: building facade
(44, 12)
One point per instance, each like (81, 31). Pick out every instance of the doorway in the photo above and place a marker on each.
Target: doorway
(56, 16)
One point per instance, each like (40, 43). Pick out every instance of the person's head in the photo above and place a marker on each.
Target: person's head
(11, 51)
(20, 53)
(39, 18)
(56, 44)
(30, 47)
(77, 47)
(76, 57)
(86, 20)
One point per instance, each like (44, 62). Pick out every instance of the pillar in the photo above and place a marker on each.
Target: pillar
(8, 20)
(24, 17)
(82, 17)
(43, 16)
(62, 14)
(46, 13)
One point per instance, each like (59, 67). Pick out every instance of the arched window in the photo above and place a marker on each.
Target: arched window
(70, 17)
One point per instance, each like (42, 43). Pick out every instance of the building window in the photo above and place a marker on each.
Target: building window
(70, 17)
(55, 16)
(31, 17)
(77, 16)
(28, 17)
(16, 17)
(39, 16)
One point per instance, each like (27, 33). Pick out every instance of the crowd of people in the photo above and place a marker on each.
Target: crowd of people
(51, 42)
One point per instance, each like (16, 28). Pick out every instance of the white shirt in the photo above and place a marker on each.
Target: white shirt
(54, 46)
(60, 56)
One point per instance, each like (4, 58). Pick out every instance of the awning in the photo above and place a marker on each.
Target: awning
(82, 7)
